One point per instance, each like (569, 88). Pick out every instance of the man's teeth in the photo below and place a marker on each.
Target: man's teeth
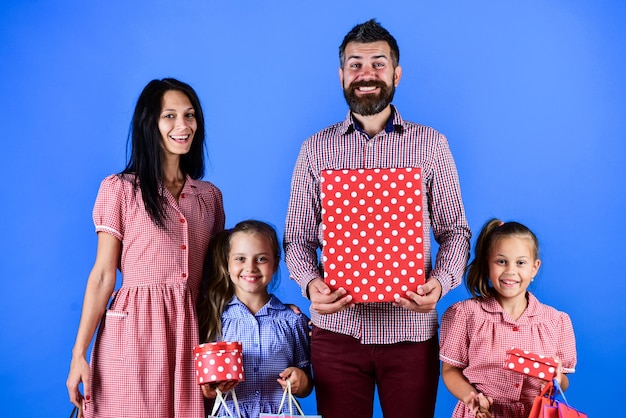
(371, 88)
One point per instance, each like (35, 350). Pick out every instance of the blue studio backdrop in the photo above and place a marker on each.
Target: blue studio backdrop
(531, 95)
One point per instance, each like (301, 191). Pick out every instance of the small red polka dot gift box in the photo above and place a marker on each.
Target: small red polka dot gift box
(531, 364)
(218, 361)
(373, 232)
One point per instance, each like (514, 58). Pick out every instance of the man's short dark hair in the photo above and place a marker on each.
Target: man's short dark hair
(368, 32)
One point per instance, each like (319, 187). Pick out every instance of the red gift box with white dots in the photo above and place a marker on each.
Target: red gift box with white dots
(372, 223)
(531, 364)
(218, 361)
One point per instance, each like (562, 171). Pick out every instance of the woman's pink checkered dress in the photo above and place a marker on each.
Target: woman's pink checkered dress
(142, 359)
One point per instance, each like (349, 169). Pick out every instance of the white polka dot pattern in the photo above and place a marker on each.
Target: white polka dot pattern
(218, 361)
(373, 232)
(531, 364)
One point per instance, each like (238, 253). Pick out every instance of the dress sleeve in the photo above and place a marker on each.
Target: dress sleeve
(302, 352)
(566, 349)
(215, 202)
(109, 210)
(454, 339)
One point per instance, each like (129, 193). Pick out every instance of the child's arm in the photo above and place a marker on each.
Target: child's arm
(461, 388)
(561, 377)
(300, 379)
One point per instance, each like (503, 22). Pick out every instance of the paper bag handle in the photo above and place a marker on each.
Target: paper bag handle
(220, 399)
(292, 401)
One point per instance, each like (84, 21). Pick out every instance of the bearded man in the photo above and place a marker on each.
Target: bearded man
(393, 345)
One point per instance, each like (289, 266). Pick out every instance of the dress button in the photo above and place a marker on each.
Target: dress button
(183, 247)
(515, 328)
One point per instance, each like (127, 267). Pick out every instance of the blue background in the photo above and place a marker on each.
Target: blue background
(531, 95)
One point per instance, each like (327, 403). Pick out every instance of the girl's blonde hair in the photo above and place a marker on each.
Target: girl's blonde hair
(477, 280)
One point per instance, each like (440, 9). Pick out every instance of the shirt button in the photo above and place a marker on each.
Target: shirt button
(516, 385)
(256, 369)
(182, 220)
(515, 328)
(182, 195)
(257, 392)
(183, 247)
(184, 275)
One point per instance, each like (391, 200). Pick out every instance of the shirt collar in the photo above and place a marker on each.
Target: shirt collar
(394, 123)
(491, 305)
(274, 303)
(188, 188)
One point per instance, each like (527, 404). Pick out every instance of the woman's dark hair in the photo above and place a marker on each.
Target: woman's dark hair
(146, 154)
(217, 288)
(477, 280)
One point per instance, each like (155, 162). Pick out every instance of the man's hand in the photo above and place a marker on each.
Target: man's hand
(325, 301)
(424, 300)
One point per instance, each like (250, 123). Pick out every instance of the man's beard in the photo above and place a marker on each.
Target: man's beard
(370, 104)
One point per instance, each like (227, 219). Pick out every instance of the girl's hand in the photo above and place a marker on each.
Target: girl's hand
(79, 373)
(479, 404)
(300, 382)
(561, 377)
(209, 390)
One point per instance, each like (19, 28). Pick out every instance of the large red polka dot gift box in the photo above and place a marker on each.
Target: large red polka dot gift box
(531, 364)
(218, 361)
(372, 222)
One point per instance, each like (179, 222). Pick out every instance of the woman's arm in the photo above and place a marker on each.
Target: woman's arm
(100, 285)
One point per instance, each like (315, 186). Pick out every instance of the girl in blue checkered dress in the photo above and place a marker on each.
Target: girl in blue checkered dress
(237, 306)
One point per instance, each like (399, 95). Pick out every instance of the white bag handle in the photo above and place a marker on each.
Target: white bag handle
(291, 401)
(220, 400)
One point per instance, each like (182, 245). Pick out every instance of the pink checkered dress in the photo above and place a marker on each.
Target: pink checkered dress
(475, 336)
(142, 360)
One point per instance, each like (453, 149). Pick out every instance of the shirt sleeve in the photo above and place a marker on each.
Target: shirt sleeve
(110, 208)
(301, 239)
(449, 223)
(454, 339)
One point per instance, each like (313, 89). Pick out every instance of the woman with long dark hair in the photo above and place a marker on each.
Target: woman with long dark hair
(154, 221)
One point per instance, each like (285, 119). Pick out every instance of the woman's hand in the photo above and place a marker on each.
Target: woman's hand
(79, 373)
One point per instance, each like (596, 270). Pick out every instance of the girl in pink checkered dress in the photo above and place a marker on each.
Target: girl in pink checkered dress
(154, 221)
(502, 314)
